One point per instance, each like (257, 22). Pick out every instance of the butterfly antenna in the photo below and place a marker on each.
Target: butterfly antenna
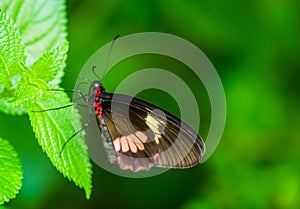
(107, 61)
(77, 76)
(93, 69)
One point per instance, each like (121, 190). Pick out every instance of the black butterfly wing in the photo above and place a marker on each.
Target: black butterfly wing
(144, 135)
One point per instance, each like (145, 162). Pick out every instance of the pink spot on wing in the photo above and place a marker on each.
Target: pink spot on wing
(139, 145)
(132, 146)
(117, 145)
(151, 165)
(141, 136)
(128, 167)
(140, 168)
(132, 137)
(155, 156)
(124, 144)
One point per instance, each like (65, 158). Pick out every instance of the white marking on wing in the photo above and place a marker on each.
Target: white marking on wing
(156, 125)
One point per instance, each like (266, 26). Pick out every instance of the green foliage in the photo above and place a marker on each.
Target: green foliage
(255, 48)
(33, 55)
(11, 53)
(53, 128)
(10, 172)
(254, 45)
(51, 63)
(42, 24)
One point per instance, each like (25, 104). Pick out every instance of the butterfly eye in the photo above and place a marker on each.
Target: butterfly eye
(96, 84)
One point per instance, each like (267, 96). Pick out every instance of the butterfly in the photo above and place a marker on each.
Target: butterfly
(138, 135)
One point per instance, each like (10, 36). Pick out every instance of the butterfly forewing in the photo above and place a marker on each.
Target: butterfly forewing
(144, 135)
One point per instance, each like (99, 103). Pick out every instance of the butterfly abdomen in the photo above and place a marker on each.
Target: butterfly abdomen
(107, 141)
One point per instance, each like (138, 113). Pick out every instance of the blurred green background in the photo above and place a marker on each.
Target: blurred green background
(255, 48)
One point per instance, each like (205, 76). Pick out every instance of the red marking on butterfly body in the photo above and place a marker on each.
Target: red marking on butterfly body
(97, 104)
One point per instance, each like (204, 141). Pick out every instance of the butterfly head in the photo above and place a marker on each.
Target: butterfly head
(96, 86)
(96, 92)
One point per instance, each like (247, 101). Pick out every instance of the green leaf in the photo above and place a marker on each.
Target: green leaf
(44, 73)
(53, 128)
(10, 172)
(42, 23)
(50, 65)
(11, 52)
(11, 108)
(42, 26)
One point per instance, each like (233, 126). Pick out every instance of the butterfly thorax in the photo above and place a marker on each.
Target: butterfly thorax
(97, 103)
(95, 100)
